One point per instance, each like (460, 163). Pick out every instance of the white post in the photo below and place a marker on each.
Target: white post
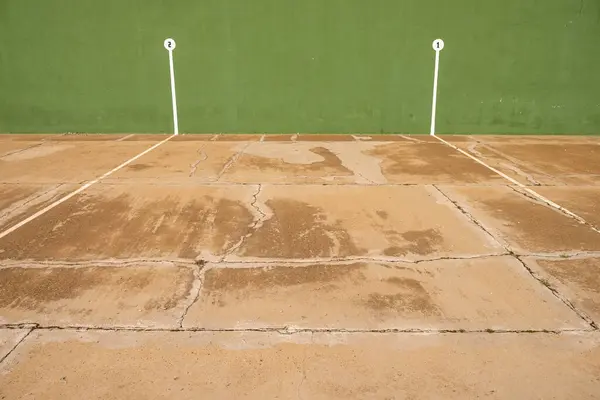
(438, 45)
(170, 46)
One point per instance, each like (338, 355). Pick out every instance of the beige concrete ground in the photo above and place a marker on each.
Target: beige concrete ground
(182, 365)
(305, 266)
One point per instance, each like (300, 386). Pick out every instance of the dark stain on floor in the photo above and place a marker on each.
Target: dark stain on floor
(94, 227)
(422, 242)
(299, 230)
(411, 297)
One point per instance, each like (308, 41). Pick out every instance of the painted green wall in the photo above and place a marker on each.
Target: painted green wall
(510, 66)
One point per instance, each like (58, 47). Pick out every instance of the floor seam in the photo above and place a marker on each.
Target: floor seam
(25, 336)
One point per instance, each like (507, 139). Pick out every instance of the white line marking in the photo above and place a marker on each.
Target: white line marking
(438, 45)
(81, 189)
(522, 186)
(125, 137)
(170, 46)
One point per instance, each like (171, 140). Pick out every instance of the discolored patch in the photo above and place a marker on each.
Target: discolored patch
(429, 163)
(525, 223)
(329, 163)
(420, 242)
(298, 230)
(556, 158)
(94, 227)
(139, 167)
(382, 214)
(11, 194)
(222, 280)
(582, 279)
(325, 138)
(93, 294)
(453, 294)
(583, 201)
(277, 138)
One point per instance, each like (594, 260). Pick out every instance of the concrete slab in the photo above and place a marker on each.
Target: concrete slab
(118, 365)
(181, 162)
(526, 225)
(137, 221)
(200, 137)
(8, 147)
(444, 294)
(228, 137)
(18, 202)
(66, 161)
(88, 137)
(583, 201)
(306, 162)
(578, 279)
(279, 138)
(318, 222)
(429, 163)
(26, 137)
(9, 338)
(137, 295)
(308, 137)
(547, 160)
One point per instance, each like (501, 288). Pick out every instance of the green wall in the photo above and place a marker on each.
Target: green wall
(510, 66)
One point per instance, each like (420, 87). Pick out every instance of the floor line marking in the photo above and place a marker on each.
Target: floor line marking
(81, 189)
(535, 194)
(125, 137)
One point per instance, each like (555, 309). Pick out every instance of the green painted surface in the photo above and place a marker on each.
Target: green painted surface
(510, 66)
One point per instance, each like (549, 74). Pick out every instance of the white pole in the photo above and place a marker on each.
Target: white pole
(170, 46)
(438, 45)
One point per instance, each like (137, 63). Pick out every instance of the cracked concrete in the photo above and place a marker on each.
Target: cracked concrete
(304, 261)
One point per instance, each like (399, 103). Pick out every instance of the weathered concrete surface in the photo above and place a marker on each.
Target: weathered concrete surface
(526, 225)
(427, 163)
(307, 162)
(132, 295)
(110, 365)
(538, 160)
(387, 221)
(8, 147)
(182, 161)
(66, 161)
(137, 221)
(18, 201)
(583, 201)
(9, 338)
(577, 279)
(448, 294)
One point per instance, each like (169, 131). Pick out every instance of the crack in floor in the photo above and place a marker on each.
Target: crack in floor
(287, 330)
(166, 262)
(256, 224)
(582, 315)
(199, 272)
(31, 329)
(558, 294)
(203, 157)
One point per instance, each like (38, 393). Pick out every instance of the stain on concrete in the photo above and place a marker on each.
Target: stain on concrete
(581, 276)
(223, 280)
(537, 227)
(139, 167)
(94, 227)
(411, 296)
(428, 160)
(34, 288)
(299, 230)
(421, 242)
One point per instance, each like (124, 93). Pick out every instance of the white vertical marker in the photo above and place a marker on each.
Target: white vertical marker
(438, 46)
(170, 46)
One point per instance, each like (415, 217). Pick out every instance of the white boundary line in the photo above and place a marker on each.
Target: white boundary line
(81, 189)
(522, 186)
